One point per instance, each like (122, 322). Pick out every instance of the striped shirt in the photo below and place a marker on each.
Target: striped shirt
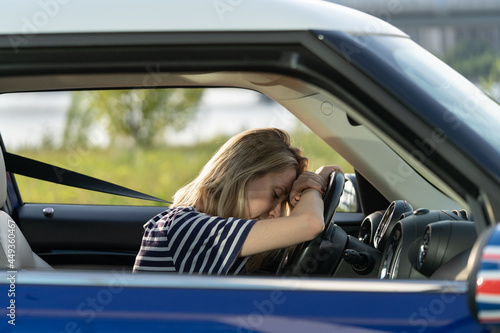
(182, 240)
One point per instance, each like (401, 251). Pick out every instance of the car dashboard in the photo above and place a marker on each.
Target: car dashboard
(403, 243)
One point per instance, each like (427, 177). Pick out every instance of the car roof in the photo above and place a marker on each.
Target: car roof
(82, 16)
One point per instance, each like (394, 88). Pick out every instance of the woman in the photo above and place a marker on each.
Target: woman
(253, 197)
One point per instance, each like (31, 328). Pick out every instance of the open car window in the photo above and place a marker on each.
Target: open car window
(150, 140)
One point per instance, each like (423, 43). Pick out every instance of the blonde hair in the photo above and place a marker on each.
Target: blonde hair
(219, 189)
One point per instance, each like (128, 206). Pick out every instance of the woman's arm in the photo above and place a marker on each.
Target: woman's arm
(304, 223)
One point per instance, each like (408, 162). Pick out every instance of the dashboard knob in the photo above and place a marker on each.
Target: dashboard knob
(354, 258)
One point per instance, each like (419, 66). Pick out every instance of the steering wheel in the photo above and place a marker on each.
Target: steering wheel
(332, 196)
(305, 257)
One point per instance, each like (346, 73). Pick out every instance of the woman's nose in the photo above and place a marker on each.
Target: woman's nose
(275, 212)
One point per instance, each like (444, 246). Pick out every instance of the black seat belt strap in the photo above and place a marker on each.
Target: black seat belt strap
(39, 170)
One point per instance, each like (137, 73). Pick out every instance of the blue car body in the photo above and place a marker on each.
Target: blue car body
(128, 303)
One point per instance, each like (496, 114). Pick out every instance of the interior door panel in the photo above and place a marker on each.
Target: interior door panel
(85, 234)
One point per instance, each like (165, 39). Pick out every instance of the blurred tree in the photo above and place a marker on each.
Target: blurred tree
(139, 115)
(491, 82)
(472, 58)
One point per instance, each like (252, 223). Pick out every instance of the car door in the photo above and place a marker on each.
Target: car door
(123, 301)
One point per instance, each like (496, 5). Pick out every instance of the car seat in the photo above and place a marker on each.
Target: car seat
(20, 255)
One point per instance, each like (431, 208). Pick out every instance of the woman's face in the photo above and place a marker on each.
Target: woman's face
(266, 194)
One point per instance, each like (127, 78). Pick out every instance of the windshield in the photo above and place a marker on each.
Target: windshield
(458, 95)
(434, 91)
(409, 70)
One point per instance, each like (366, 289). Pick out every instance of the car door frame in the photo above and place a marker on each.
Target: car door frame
(309, 301)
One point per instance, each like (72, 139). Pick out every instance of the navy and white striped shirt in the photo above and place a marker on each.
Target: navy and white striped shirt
(183, 240)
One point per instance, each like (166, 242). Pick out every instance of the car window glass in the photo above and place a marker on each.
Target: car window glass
(465, 100)
(151, 140)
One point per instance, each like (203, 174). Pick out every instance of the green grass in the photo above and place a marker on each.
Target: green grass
(159, 172)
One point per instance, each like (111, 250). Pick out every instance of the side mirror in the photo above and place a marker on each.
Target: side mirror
(484, 279)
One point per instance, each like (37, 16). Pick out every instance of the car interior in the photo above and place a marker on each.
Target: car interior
(407, 224)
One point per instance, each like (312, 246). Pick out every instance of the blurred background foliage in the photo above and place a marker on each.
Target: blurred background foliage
(478, 61)
(159, 171)
(135, 117)
(473, 58)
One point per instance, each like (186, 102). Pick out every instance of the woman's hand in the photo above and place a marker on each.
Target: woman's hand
(308, 179)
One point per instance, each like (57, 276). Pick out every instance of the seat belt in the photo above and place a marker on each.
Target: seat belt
(39, 170)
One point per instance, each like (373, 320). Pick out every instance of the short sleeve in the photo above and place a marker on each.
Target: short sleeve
(187, 241)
